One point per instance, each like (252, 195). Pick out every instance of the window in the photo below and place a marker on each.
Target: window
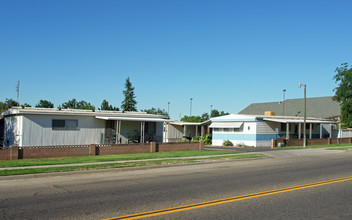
(218, 129)
(228, 129)
(60, 124)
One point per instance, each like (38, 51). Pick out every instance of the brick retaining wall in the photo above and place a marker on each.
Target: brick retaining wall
(14, 153)
(323, 141)
(123, 149)
(54, 151)
(180, 146)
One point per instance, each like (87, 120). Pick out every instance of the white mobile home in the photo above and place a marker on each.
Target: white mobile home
(43, 127)
(258, 131)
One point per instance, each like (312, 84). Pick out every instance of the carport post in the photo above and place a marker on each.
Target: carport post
(299, 130)
(202, 132)
(321, 130)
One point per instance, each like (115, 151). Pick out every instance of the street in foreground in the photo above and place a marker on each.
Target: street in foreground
(115, 193)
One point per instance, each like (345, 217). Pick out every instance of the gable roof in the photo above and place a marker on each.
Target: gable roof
(320, 107)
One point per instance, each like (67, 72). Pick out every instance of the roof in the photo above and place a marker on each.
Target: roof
(78, 112)
(280, 119)
(181, 123)
(320, 107)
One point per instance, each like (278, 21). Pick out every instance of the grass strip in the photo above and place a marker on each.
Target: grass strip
(314, 146)
(103, 158)
(340, 148)
(122, 165)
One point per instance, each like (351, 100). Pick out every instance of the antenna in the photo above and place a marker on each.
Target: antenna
(18, 92)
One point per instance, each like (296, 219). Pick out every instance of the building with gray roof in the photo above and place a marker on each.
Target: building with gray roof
(320, 107)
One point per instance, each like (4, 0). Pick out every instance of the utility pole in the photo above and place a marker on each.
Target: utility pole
(283, 103)
(305, 114)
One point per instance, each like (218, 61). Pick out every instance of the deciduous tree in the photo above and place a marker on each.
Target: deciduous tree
(156, 111)
(343, 92)
(44, 104)
(73, 104)
(105, 106)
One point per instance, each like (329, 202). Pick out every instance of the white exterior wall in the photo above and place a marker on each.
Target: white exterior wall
(13, 131)
(246, 135)
(37, 131)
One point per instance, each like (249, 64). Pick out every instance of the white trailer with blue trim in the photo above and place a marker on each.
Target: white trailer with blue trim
(258, 131)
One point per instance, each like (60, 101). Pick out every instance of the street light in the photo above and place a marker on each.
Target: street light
(283, 103)
(211, 108)
(305, 113)
(168, 109)
(190, 108)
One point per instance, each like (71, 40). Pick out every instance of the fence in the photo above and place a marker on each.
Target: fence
(14, 153)
(323, 141)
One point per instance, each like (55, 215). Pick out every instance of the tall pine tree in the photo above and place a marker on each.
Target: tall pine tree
(129, 103)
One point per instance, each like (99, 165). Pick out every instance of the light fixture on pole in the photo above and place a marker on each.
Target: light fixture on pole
(190, 107)
(305, 114)
(168, 109)
(211, 109)
(283, 103)
(18, 92)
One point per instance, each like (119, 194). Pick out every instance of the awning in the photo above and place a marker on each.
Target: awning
(132, 119)
(226, 125)
(299, 121)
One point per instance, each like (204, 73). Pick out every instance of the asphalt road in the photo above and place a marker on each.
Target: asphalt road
(115, 193)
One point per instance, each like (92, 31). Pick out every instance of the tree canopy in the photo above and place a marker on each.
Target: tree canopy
(44, 104)
(343, 92)
(193, 118)
(156, 111)
(129, 103)
(216, 113)
(74, 104)
(7, 104)
(105, 106)
(204, 116)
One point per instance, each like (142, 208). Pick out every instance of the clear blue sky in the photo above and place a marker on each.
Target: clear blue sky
(228, 54)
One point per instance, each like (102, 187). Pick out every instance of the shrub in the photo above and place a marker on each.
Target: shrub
(227, 143)
(196, 139)
(208, 139)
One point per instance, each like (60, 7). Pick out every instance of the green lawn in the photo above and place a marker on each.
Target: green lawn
(102, 158)
(340, 148)
(126, 164)
(314, 146)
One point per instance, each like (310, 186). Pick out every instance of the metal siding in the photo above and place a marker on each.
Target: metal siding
(265, 127)
(175, 131)
(37, 131)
